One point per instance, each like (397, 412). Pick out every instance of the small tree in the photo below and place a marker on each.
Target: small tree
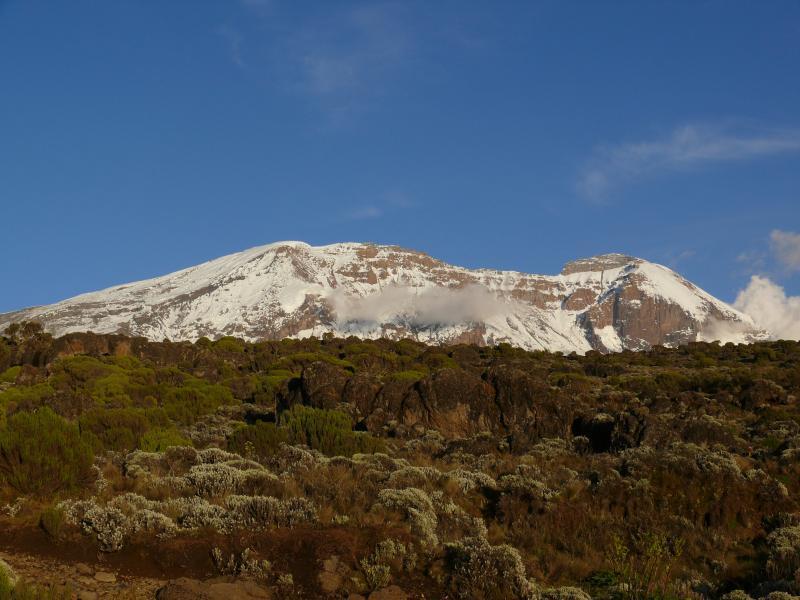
(41, 453)
(25, 330)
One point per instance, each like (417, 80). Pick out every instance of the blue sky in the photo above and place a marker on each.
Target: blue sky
(137, 138)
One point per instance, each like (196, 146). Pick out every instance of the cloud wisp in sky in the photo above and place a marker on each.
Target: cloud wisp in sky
(234, 39)
(370, 211)
(343, 61)
(388, 202)
(786, 247)
(336, 57)
(687, 147)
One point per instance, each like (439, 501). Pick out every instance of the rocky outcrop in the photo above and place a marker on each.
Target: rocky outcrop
(454, 402)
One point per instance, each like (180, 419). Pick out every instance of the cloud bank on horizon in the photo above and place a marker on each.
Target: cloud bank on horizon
(765, 300)
(420, 307)
(769, 306)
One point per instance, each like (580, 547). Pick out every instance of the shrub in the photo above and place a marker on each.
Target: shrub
(377, 567)
(439, 360)
(22, 331)
(216, 479)
(26, 396)
(229, 344)
(108, 525)
(480, 570)
(25, 590)
(255, 512)
(784, 552)
(10, 375)
(243, 564)
(417, 509)
(7, 579)
(375, 574)
(52, 521)
(328, 431)
(266, 386)
(565, 593)
(301, 359)
(262, 439)
(115, 429)
(194, 399)
(41, 453)
(648, 572)
(159, 439)
(409, 376)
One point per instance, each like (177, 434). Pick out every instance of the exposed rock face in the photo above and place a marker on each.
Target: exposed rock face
(608, 303)
(456, 403)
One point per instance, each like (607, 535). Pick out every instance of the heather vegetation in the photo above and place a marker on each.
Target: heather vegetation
(458, 472)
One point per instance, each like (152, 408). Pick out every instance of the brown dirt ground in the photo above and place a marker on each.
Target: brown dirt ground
(145, 565)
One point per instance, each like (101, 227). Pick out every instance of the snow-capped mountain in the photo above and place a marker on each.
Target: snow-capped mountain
(290, 289)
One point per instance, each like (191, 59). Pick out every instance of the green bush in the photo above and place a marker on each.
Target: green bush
(229, 344)
(439, 360)
(301, 359)
(328, 431)
(159, 439)
(410, 376)
(5, 351)
(265, 386)
(6, 585)
(10, 375)
(111, 390)
(52, 521)
(24, 590)
(116, 428)
(194, 399)
(121, 428)
(81, 368)
(647, 572)
(41, 453)
(27, 396)
(262, 438)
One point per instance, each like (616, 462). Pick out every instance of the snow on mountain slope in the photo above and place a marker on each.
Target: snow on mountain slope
(290, 289)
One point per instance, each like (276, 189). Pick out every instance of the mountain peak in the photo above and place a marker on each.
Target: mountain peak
(601, 262)
(293, 289)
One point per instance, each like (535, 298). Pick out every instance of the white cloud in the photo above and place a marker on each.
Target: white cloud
(386, 203)
(686, 147)
(347, 54)
(366, 212)
(769, 306)
(786, 247)
(420, 307)
(724, 331)
(235, 40)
